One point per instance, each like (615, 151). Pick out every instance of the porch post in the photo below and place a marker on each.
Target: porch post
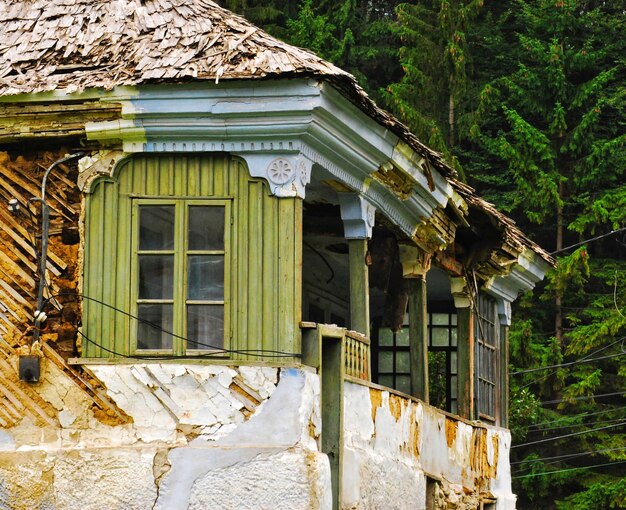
(504, 312)
(465, 347)
(415, 265)
(358, 219)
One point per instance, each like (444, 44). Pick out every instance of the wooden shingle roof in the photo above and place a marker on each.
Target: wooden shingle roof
(73, 45)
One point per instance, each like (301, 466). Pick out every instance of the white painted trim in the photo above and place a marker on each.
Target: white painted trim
(299, 121)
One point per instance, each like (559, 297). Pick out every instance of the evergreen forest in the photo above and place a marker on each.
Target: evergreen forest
(527, 100)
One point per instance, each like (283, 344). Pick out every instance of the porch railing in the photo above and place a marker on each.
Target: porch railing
(355, 348)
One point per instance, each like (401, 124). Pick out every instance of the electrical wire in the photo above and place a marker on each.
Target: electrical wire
(569, 469)
(568, 364)
(580, 415)
(589, 240)
(583, 397)
(216, 350)
(567, 455)
(319, 254)
(621, 339)
(561, 427)
(568, 435)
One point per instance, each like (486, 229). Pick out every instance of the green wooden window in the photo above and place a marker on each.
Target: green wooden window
(486, 331)
(391, 359)
(442, 360)
(180, 267)
(261, 254)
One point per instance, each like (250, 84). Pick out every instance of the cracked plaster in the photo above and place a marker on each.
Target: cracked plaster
(403, 441)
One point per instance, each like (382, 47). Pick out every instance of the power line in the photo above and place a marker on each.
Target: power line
(547, 429)
(568, 455)
(584, 397)
(589, 240)
(568, 435)
(621, 339)
(268, 353)
(580, 415)
(569, 469)
(568, 364)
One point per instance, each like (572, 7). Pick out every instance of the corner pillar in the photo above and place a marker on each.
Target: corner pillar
(504, 313)
(415, 265)
(358, 219)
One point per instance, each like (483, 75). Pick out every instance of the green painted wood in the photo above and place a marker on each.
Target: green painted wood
(289, 291)
(264, 277)
(332, 377)
(504, 377)
(255, 271)
(123, 266)
(418, 337)
(296, 263)
(359, 287)
(465, 356)
(270, 264)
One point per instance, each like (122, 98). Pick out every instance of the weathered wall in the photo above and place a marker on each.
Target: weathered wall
(210, 436)
(394, 445)
(201, 436)
(20, 178)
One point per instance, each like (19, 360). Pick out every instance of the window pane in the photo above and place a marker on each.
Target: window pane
(453, 337)
(385, 361)
(403, 362)
(453, 386)
(453, 319)
(206, 277)
(385, 337)
(440, 319)
(386, 380)
(402, 337)
(403, 383)
(156, 276)
(156, 227)
(206, 228)
(155, 320)
(453, 362)
(205, 326)
(440, 337)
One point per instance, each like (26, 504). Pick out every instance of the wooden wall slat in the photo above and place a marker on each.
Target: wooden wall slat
(265, 246)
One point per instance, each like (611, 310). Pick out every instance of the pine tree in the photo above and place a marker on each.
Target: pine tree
(553, 127)
(435, 59)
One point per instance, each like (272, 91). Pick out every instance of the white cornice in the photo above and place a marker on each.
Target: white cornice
(524, 275)
(262, 121)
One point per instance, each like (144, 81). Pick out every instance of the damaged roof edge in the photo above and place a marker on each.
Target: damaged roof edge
(124, 50)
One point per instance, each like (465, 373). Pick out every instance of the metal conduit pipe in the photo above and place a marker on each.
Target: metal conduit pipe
(45, 227)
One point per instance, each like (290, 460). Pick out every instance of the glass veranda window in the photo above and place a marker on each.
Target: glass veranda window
(486, 330)
(181, 264)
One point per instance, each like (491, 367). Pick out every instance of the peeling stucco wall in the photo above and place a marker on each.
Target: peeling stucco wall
(211, 436)
(199, 436)
(393, 443)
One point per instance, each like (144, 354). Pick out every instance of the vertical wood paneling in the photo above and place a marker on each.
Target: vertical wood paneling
(269, 234)
(109, 247)
(266, 237)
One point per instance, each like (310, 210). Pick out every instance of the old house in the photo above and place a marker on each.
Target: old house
(230, 280)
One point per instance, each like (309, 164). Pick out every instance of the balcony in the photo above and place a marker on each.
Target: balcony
(371, 432)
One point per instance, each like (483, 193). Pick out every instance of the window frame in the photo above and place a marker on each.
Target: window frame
(487, 358)
(181, 253)
(450, 350)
